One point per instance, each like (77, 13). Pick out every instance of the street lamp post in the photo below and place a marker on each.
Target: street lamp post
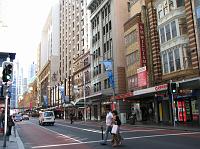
(84, 96)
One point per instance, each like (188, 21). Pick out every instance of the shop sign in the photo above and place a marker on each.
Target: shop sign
(143, 59)
(142, 76)
(151, 89)
(161, 87)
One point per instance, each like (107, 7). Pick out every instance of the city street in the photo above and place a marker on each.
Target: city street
(87, 135)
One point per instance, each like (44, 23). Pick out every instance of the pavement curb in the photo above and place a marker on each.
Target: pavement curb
(19, 141)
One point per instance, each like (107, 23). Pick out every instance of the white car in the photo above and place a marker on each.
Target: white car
(47, 117)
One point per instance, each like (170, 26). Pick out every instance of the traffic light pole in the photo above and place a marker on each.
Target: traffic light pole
(6, 116)
(173, 107)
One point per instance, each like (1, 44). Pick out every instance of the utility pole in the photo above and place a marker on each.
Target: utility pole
(84, 96)
(173, 106)
(6, 115)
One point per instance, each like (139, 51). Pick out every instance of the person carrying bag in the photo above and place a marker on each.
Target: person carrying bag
(116, 137)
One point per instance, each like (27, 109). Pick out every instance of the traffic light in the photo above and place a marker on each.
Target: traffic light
(7, 71)
(172, 88)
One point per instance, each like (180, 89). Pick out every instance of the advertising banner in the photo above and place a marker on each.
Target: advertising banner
(142, 76)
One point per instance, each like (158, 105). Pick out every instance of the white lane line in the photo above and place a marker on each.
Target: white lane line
(90, 130)
(58, 133)
(140, 130)
(130, 138)
(163, 135)
(98, 131)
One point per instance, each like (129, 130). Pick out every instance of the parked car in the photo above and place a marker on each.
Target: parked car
(25, 117)
(47, 117)
(18, 118)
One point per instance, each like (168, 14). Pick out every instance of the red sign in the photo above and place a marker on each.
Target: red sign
(142, 76)
(143, 58)
(161, 87)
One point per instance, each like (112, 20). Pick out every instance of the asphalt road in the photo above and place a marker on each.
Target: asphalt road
(81, 135)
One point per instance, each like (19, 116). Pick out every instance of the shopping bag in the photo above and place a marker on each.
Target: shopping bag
(114, 129)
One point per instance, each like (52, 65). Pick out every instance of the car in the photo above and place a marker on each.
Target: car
(18, 118)
(46, 117)
(25, 117)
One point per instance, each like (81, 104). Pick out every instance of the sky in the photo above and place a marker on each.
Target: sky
(24, 20)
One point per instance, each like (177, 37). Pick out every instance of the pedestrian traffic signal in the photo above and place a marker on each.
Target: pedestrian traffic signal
(7, 71)
(173, 88)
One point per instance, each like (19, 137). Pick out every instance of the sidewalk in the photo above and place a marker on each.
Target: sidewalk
(12, 142)
(178, 126)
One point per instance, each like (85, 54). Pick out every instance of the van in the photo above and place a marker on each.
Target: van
(47, 117)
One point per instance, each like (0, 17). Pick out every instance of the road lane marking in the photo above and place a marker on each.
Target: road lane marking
(90, 130)
(140, 130)
(130, 138)
(98, 131)
(58, 133)
(163, 135)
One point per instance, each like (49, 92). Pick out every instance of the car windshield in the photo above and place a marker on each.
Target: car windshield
(47, 114)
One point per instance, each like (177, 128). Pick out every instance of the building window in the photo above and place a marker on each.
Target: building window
(168, 34)
(171, 61)
(177, 59)
(174, 31)
(132, 82)
(106, 83)
(110, 26)
(180, 3)
(165, 63)
(108, 8)
(162, 35)
(132, 58)
(131, 38)
(102, 13)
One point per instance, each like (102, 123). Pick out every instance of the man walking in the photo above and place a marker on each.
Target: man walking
(109, 118)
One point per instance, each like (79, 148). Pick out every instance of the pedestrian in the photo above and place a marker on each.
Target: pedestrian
(116, 137)
(10, 125)
(109, 117)
(2, 114)
(71, 115)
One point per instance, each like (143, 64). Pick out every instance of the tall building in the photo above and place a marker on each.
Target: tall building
(31, 71)
(48, 58)
(107, 19)
(73, 34)
(74, 48)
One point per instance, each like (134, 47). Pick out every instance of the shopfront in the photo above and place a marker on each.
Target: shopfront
(149, 104)
(188, 101)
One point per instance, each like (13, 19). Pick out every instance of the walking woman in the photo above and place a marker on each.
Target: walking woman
(116, 137)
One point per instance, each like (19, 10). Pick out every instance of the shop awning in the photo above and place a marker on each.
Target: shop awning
(143, 92)
(80, 101)
(190, 84)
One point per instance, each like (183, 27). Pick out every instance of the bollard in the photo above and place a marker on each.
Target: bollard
(102, 132)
